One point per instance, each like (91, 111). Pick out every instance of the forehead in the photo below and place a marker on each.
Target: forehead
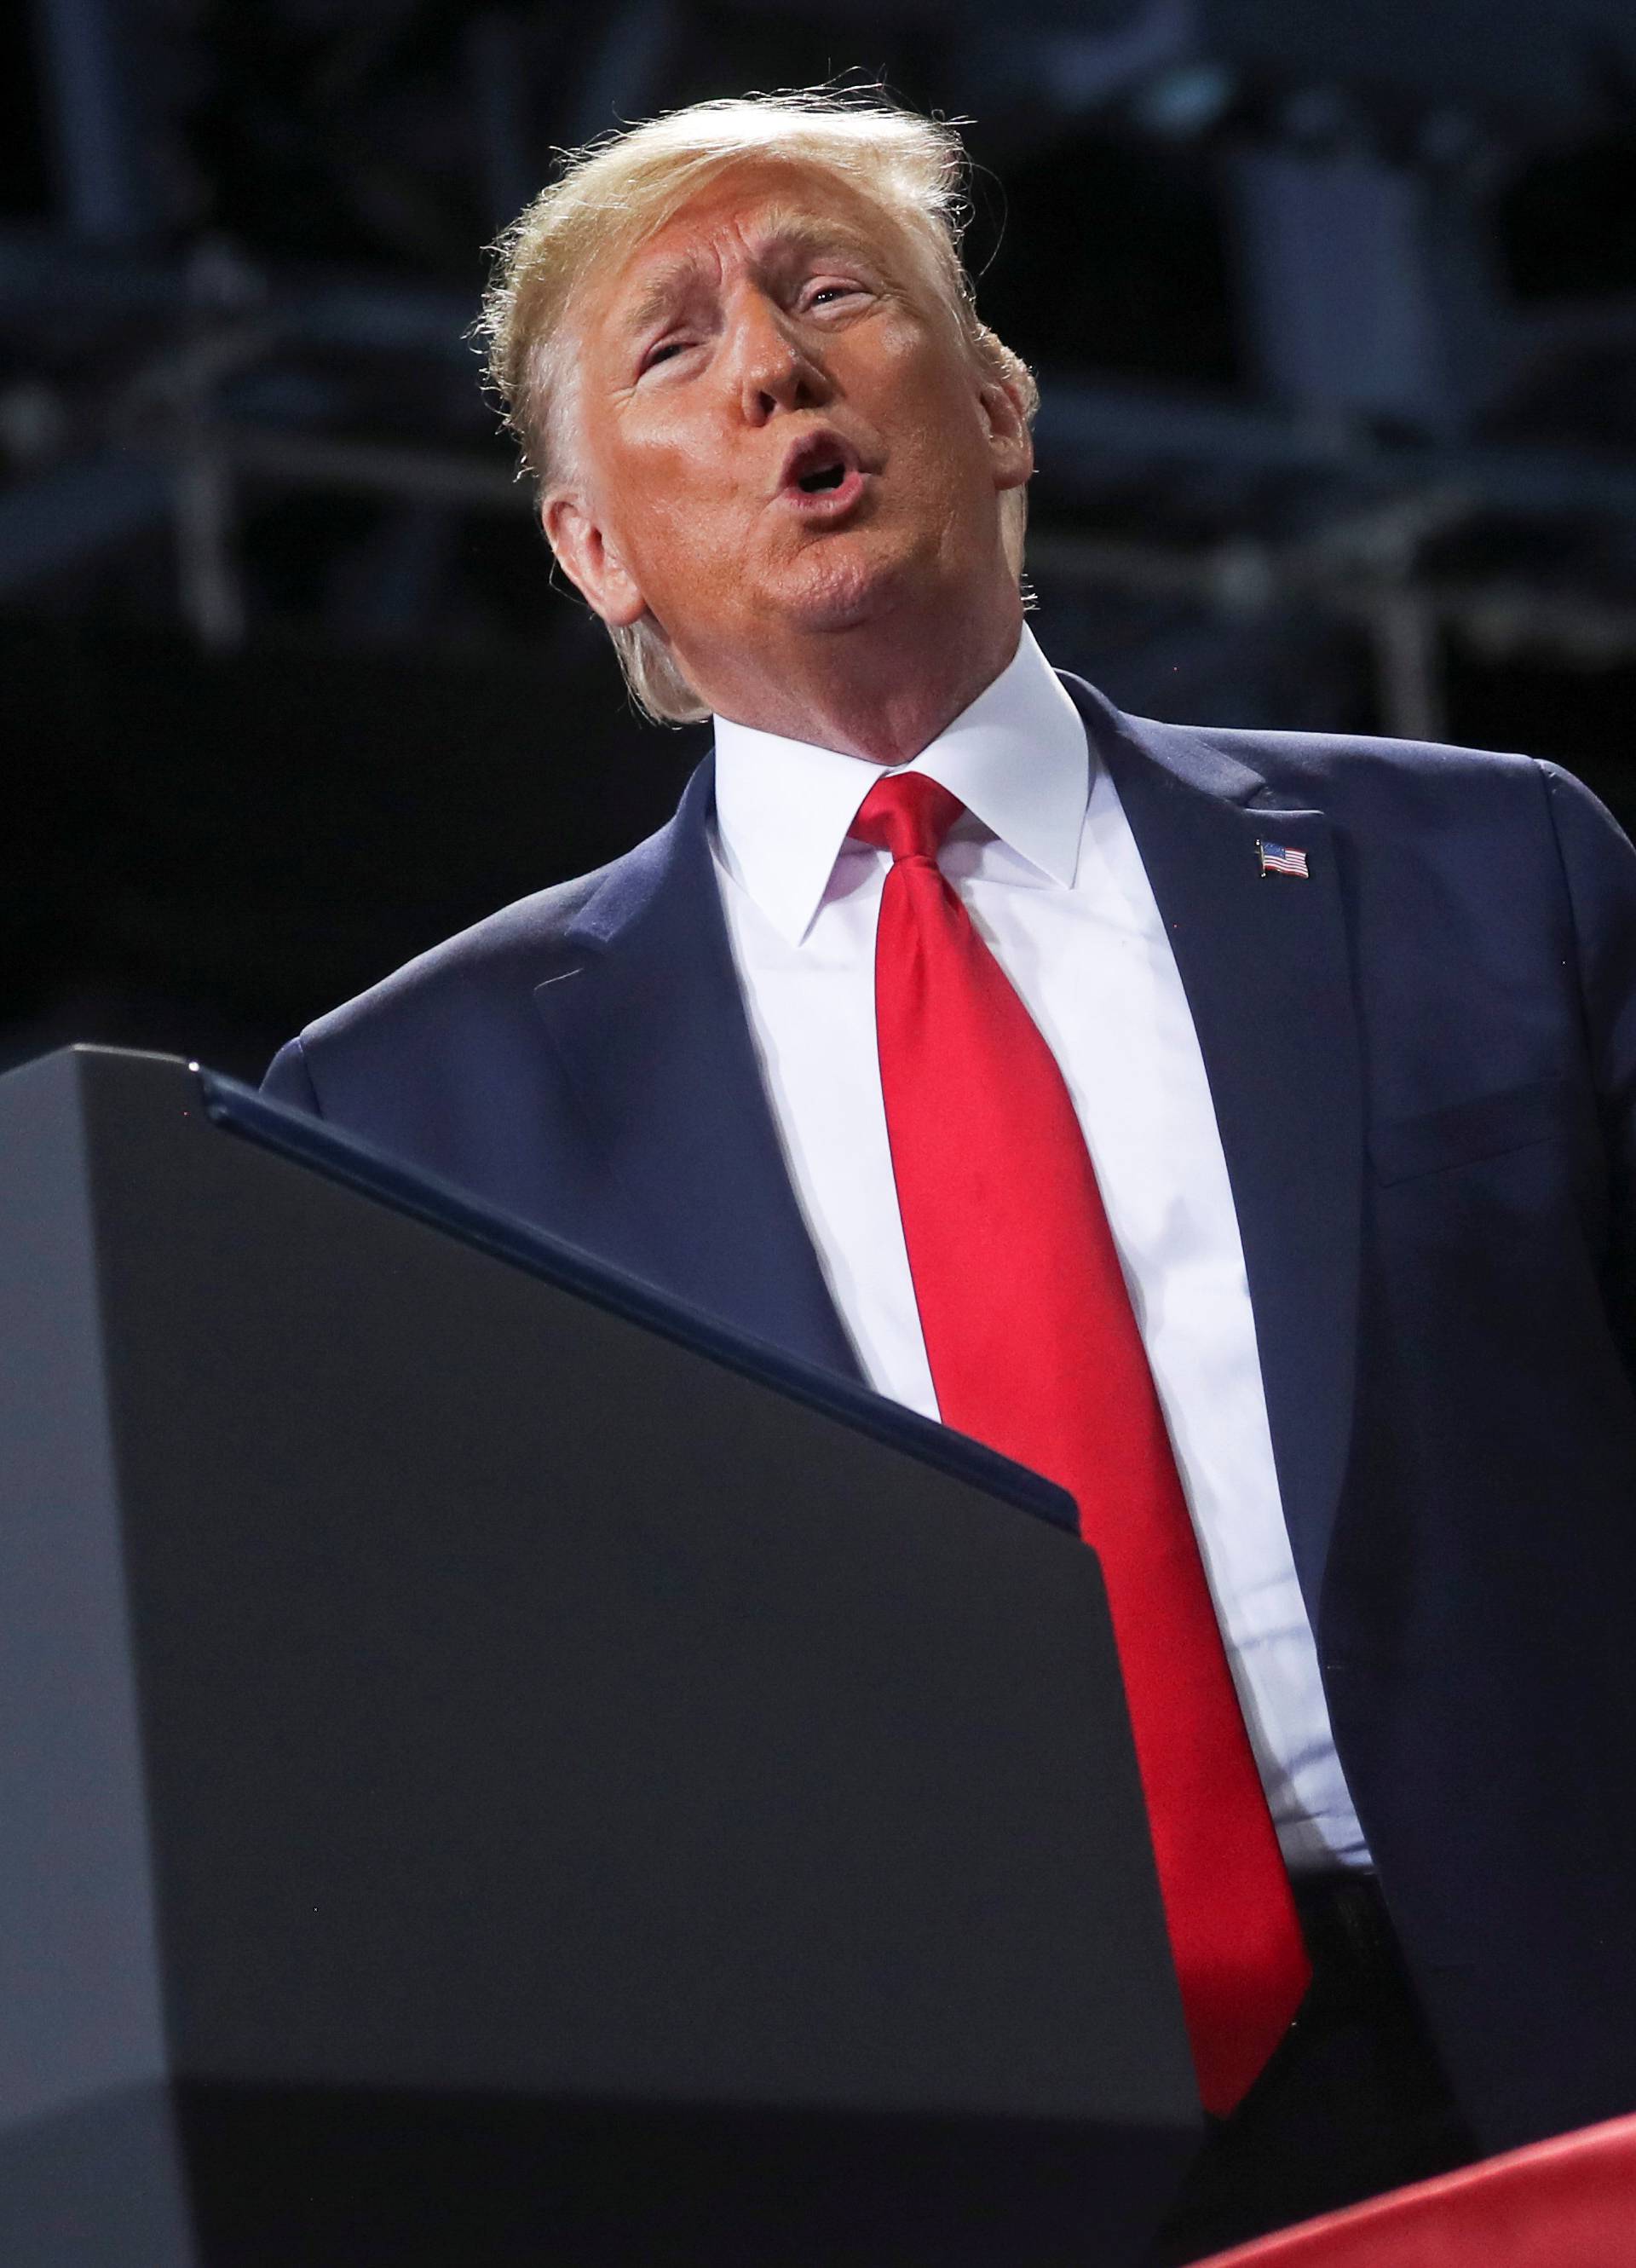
(761, 212)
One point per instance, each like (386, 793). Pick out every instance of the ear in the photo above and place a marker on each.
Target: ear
(590, 563)
(1011, 443)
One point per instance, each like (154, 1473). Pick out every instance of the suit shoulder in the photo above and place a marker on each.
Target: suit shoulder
(430, 1027)
(520, 946)
(1357, 778)
(1338, 771)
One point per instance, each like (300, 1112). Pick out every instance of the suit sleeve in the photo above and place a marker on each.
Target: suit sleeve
(288, 1080)
(1599, 867)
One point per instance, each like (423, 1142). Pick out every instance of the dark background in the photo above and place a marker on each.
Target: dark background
(1334, 308)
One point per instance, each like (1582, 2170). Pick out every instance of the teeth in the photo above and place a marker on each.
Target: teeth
(829, 477)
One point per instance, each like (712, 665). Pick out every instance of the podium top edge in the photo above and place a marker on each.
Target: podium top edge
(241, 1111)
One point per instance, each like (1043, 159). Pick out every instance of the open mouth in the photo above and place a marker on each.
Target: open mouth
(821, 475)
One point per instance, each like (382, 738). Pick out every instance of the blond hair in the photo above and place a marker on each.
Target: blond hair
(619, 189)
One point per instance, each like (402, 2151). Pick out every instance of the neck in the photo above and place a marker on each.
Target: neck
(881, 691)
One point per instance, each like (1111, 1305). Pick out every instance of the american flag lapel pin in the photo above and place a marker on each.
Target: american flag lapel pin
(1282, 859)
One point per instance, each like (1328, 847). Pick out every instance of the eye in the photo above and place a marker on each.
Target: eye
(664, 350)
(818, 293)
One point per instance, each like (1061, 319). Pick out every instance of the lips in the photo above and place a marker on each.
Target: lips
(823, 476)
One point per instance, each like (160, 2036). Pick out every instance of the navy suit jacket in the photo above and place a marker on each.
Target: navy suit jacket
(1423, 1061)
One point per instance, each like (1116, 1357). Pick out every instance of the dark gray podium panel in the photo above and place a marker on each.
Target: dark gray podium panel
(486, 1781)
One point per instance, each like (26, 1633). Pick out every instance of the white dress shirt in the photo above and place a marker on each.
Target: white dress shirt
(1049, 872)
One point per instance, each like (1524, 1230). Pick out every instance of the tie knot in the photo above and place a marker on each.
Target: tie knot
(908, 814)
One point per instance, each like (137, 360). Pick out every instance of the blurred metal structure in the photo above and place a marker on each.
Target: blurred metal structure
(1411, 451)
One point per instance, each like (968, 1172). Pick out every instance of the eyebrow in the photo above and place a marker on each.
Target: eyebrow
(660, 291)
(781, 237)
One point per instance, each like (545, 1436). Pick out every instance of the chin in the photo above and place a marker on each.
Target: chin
(841, 586)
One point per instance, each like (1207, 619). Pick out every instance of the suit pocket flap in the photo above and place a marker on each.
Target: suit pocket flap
(1486, 1127)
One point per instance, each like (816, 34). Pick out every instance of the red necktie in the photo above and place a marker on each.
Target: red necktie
(1034, 1349)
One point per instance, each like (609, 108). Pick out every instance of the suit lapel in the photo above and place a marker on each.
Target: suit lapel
(650, 1027)
(1265, 967)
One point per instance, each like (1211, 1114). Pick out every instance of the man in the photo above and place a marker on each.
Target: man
(1236, 1127)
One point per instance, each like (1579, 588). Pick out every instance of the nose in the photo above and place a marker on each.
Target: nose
(773, 366)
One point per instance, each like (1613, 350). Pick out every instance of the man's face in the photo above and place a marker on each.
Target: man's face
(778, 424)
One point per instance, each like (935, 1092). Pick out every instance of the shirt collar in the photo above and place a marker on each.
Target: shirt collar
(1018, 758)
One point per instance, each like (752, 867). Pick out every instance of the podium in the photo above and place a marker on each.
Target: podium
(497, 1769)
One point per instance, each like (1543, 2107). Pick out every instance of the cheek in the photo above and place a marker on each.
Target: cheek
(925, 393)
(647, 455)
(689, 544)
(665, 504)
